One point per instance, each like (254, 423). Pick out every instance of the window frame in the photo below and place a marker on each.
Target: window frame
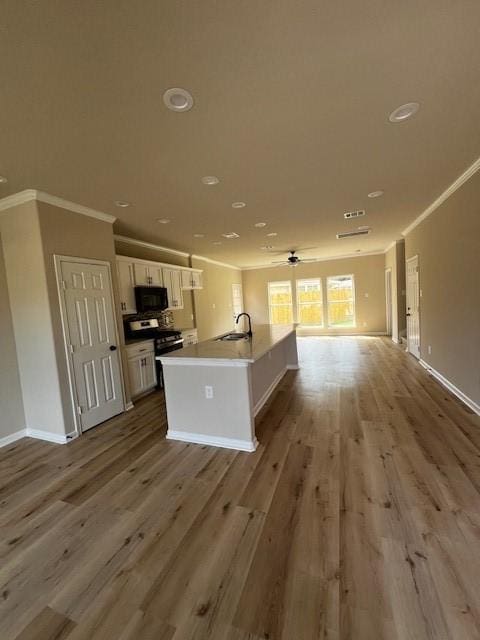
(321, 302)
(353, 301)
(270, 305)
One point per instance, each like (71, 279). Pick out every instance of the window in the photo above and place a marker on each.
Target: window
(309, 302)
(280, 302)
(341, 301)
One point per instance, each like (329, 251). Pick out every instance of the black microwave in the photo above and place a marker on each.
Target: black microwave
(151, 299)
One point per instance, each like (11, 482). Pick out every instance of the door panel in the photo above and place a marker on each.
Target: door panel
(91, 330)
(413, 307)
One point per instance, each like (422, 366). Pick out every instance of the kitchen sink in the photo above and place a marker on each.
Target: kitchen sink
(233, 336)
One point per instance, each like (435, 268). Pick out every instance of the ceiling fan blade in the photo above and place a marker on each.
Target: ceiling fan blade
(308, 259)
(280, 262)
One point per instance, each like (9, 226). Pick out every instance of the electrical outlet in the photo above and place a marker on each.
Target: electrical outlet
(208, 392)
(214, 306)
(429, 348)
(366, 295)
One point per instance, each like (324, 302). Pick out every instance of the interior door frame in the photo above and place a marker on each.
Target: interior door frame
(58, 259)
(411, 259)
(389, 302)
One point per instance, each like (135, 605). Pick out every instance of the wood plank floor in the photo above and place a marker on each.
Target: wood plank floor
(358, 517)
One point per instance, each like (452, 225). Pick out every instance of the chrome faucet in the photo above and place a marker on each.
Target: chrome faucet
(249, 332)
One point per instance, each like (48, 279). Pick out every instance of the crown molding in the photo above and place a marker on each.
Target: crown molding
(392, 244)
(466, 175)
(343, 257)
(150, 245)
(40, 196)
(219, 264)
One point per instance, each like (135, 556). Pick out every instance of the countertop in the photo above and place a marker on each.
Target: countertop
(264, 338)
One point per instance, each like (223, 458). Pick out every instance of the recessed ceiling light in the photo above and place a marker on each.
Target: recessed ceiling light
(122, 203)
(375, 194)
(272, 235)
(198, 235)
(217, 242)
(178, 99)
(230, 235)
(404, 111)
(260, 224)
(3, 180)
(163, 220)
(238, 205)
(210, 180)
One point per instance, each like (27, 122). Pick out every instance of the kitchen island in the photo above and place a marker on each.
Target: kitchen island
(214, 389)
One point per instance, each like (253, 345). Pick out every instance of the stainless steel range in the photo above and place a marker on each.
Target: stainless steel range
(165, 340)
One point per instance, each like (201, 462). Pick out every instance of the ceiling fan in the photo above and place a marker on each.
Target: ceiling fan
(293, 259)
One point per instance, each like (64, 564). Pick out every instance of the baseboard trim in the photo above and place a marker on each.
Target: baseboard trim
(12, 437)
(129, 406)
(471, 404)
(258, 407)
(302, 333)
(213, 441)
(38, 434)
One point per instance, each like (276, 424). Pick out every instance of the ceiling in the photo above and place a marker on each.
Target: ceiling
(291, 113)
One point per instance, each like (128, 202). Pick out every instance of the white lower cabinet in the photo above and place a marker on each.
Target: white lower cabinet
(141, 367)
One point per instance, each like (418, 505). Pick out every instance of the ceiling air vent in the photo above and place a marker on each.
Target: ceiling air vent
(351, 234)
(354, 214)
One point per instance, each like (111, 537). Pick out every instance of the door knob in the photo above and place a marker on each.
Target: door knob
(112, 347)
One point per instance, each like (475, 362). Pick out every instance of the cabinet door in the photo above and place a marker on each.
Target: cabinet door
(135, 373)
(197, 280)
(156, 276)
(187, 280)
(126, 283)
(142, 274)
(176, 277)
(172, 281)
(149, 372)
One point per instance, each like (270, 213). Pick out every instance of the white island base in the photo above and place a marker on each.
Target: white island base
(214, 389)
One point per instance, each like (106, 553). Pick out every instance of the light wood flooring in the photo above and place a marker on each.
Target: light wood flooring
(358, 517)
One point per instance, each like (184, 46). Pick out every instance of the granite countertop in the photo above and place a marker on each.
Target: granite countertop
(264, 338)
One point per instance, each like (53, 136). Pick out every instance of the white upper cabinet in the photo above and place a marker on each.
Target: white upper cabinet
(192, 280)
(126, 283)
(148, 275)
(172, 279)
(133, 272)
(156, 275)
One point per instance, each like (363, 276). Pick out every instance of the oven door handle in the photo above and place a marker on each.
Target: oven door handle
(171, 344)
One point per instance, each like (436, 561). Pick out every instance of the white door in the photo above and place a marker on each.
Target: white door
(388, 299)
(413, 307)
(91, 331)
(237, 300)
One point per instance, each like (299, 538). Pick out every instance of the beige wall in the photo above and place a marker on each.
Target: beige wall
(448, 246)
(213, 303)
(369, 279)
(32, 320)
(67, 233)
(12, 416)
(183, 318)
